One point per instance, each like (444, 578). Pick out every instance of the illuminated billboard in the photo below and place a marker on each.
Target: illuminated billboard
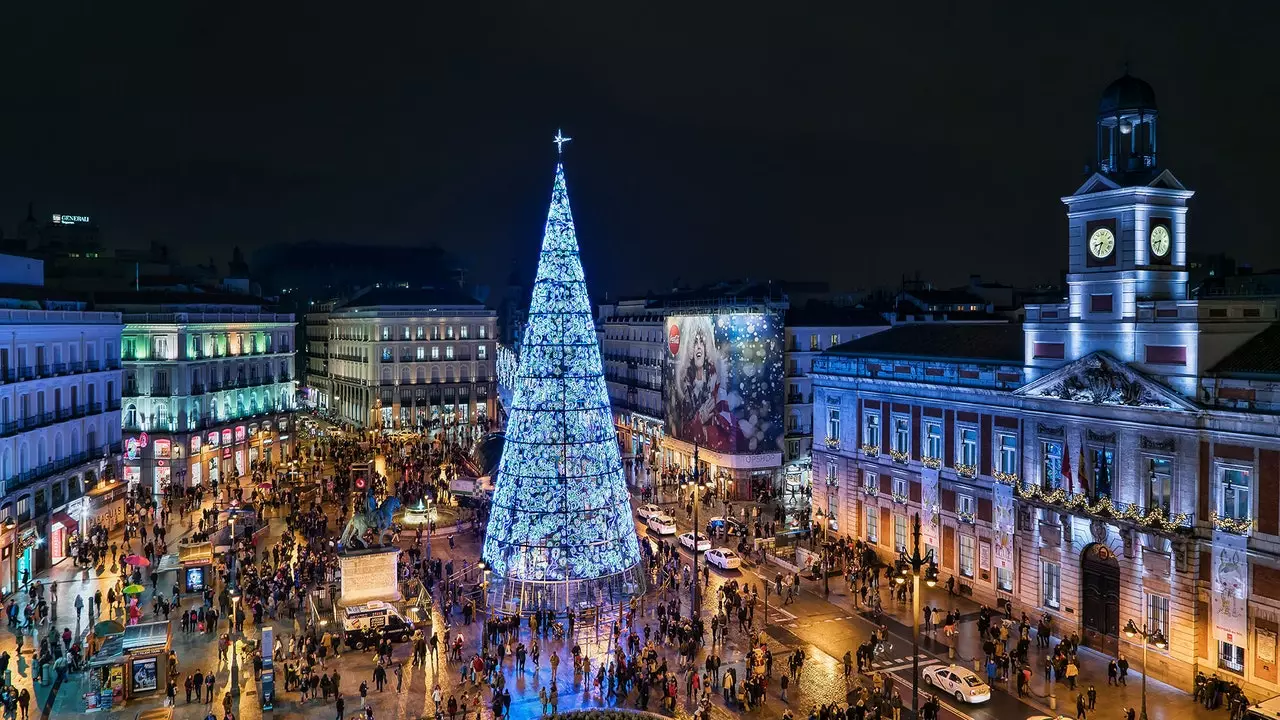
(723, 382)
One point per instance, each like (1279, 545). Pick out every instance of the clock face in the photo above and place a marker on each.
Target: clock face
(1102, 243)
(1160, 240)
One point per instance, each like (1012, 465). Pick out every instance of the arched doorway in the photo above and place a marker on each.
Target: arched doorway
(1100, 601)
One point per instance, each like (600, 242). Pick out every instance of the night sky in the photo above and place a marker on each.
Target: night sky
(849, 142)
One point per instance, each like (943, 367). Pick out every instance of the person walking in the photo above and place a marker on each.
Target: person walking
(399, 671)
(1113, 672)
(1124, 669)
(342, 706)
(1093, 696)
(1080, 705)
(364, 693)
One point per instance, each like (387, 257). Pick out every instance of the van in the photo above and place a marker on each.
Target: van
(359, 620)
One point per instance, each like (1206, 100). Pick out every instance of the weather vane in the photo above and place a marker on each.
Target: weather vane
(560, 140)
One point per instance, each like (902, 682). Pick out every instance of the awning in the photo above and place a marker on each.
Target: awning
(65, 520)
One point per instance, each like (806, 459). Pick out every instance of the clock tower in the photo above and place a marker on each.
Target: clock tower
(1127, 248)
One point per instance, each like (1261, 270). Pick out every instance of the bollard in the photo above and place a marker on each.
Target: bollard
(1053, 702)
(977, 666)
(951, 653)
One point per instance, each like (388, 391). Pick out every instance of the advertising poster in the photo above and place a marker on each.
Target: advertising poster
(723, 375)
(929, 502)
(1230, 588)
(144, 675)
(1002, 525)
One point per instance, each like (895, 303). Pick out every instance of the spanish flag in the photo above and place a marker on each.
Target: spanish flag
(1084, 478)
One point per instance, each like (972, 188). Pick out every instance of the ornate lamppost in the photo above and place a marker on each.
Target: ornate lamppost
(1152, 636)
(916, 567)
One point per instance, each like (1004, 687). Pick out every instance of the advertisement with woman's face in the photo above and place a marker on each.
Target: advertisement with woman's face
(723, 381)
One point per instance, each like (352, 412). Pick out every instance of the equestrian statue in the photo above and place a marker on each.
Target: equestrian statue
(374, 520)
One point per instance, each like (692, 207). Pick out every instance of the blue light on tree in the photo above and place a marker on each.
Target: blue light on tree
(560, 511)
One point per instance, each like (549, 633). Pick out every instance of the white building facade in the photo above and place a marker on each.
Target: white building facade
(59, 433)
(413, 360)
(1115, 458)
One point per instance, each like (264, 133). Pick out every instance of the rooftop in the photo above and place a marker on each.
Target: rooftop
(996, 343)
(1259, 356)
(827, 315)
(411, 297)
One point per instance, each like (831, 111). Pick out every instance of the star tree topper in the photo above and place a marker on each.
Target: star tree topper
(560, 140)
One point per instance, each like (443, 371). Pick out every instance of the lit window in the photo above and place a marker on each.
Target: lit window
(964, 504)
(448, 352)
(1161, 487)
(901, 434)
(900, 533)
(435, 352)
(933, 436)
(463, 331)
(871, 481)
(1231, 657)
(1009, 454)
(871, 429)
(1233, 500)
(1050, 584)
(966, 555)
(833, 473)
(404, 332)
(386, 354)
(900, 487)
(481, 353)
(1052, 452)
(833, 424)
(484, 332)
(421, 333)
(835, 339)
(873, 524)
(448, 333)
(969, 446)
(386, 332)
(1004, 579)
(813, 342)
(1158, 614)
(422, 352)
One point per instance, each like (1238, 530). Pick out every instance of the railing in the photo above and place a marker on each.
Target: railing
(164, 391)
(797, 399)
(92, 365)
(23, 479)
(113, 364)
(197, 389)
(59, 368)
(45, 370)
(26, 373)
(75, 367)
(113, 405)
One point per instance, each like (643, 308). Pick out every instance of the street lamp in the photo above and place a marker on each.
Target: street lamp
(1149, 637)
(235, 646)
(916, 566)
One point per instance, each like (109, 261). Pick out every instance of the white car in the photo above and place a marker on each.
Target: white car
(703, 543)
(959, 682)
(662, 524)
(724, 558)
(645, 511)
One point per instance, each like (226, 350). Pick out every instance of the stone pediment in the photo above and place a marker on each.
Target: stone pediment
(1100, 379)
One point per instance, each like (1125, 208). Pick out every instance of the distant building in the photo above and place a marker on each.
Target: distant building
(59, 422)
(411, 359)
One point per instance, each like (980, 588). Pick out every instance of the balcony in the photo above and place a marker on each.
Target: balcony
(45, 370)
(1104, 508)
(92, 365)
(285, 377)
(24, 479)
(113, 405)
(798, 399)
(112, 364)
(27, 373)
(75, 367)
(197, 389)
(161, 391)
(59, 368)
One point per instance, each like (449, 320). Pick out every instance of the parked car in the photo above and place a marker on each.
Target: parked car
(724, 558)
(703, 543)
(728, 525)
(662, 524)
(959, 682)
(644, 511)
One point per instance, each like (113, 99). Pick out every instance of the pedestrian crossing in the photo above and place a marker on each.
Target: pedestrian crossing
(817, 622)
(903, 663)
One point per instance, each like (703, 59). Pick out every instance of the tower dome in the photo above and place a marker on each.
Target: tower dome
(1127, 130)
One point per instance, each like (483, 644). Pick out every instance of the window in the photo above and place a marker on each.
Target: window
(160, 348)
(1009, 454)
(1231, 657)
(1004, 579)
(1160, 494)
(813, 342)
(421, 352)
(1103, 471)
(969, 446)
(435, 332)
(1052, 478)
(421, 334)
(448, 352)
(833, 424)
(900, 488)
(900, 533)
(873, 524)
(435, 352)
(464, 332)
(793, 449)
(1158, 614)
(964, 504)
(386, 332)
(484, 332)
(835, 339)
(833, 511)
(404, 332)
(933, 440)
(1233, 503)
(871, 481)
(386, 354)
(448, 333)
(871, 429)
(901, 435)
(1050, 584)
(966, 555)
(482, 352)
(833, 473)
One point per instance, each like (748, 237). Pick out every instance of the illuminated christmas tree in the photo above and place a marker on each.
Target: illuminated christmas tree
(560, 528)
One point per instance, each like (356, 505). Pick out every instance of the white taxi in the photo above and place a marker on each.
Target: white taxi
(724, 558)
(959, 682)
(645, 511)
(703, 543)
(662, 524)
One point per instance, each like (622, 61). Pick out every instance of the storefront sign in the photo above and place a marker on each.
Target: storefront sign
(240, 434)
(195, 444)
(226, 436)
(1230, 588)
(162, 448)
(1002, 525)
(59, 219)
(212, 440)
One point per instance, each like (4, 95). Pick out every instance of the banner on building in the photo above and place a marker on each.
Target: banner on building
(1230, 588)
(1002, 525)
(929, 502)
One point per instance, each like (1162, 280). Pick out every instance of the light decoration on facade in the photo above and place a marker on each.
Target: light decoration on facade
(900, 499)
(932, 463)
(902, 457)
(967, 517)
(1104, 506)
(833, 443)
(560, 510)
(870, 490)
(964, 470)
(1005, 478)
(870, 450)
(1240, 526)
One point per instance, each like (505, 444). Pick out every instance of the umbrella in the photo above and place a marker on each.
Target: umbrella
(133, 589)
(108, 627)
(137, 561)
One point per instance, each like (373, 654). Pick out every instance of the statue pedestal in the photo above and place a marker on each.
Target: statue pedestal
(369, 575)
